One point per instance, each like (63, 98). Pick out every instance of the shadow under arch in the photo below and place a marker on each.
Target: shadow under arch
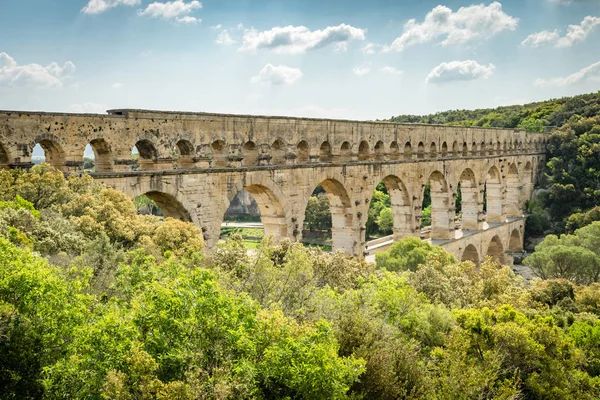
(401, 206)
(169, 205)
(515, 243)
(493, 184)
(103, 158)
(272, 212)
(185, 158)
(470, 254)
(513, 185)
(495, 250)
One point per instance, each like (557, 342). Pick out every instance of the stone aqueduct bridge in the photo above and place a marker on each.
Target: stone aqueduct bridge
(193, 164)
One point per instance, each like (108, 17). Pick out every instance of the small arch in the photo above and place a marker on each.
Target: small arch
(363, 151)
(278, 152)
(445, 149)
(495, 250)
(474, 151)
(346, 152)
(470, 254)
(498, 147)
(433, 153)
(421, 150)
(515, 244)
(219, 154)
(528, 173)
(504, 147)
(482, 149)
(490, 148)
(53, 152)
(465, 149)
(394, 151)
(325, 152)
(185, 148)
(169, 206)
(249, 153)
(455, 148)
(379, 150)
(407, 151)
(302, 152)
(103, 160)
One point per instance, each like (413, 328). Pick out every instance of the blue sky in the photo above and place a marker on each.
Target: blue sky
(329, 58)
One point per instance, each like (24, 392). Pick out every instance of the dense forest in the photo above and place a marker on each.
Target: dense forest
(100, 302)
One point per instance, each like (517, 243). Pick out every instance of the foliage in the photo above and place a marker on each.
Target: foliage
(318, 216)
(407, 254)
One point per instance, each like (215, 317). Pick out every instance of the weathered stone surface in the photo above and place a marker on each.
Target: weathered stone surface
(194, 164)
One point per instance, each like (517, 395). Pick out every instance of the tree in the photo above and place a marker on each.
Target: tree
(408, 253)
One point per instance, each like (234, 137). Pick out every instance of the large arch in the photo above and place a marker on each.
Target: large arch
(513, 207)
(493, 184)
(53, 151)
(342, 219)
(402, 209)
(272, 212)
(470, 254)
(169, 205)
(441, 219)
(470, 200)
(515, 243)
(495, 250)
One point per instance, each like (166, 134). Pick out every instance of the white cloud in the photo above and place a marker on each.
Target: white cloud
(176, 10)
(33, 75)
(88, 108)
(117, 85)
(575, 34)
(572, 1)
(299, 39)
(224, 38)
(277, 75)
(590, 73)
(361, 71)
(470, 23)
(99, 6)
(391, 70)
(459, 71)
(370, 48)
(216, 27)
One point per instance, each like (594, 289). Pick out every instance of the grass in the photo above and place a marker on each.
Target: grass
(244, 232)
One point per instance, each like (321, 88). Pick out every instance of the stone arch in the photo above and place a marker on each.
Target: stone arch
(527, 182)
(346, 152)
(185, 148)
(325, 152)
(490, 148)
(53, 150)
(4, 157)
(364, 151)
(465, 149)
(249, 153)
(421, 150)
(103, 159)
(455, 149)
(272, 212)
(401, 206)
(169, 205)
(493, 184)
(407, 151)
(482, 149)
(278, 152)
(513, 188)
(444, 149)
(302, 152)
(474, 151)
(379, 150)
(220, 153)
(470, 254)
(515, 243)
(342, 218)
(498, 147)
(470, 200)
(394, 151)
(441, 219)
(495, 250)
(433, 152)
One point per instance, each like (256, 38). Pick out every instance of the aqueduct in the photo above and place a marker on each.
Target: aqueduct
(193, 165)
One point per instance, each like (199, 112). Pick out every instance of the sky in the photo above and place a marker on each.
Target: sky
(329, 59)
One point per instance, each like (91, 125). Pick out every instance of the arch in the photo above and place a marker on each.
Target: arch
(515, 243)
(482, 149)
(379, 150)
(455, 148)
(490, 148)
(433, 153)
(401, 206)
(103, 160)
(363, 151)
(278, 152)
(421, 150)
(470, 254)
(55, 155)
(4, 157)
(440, 207)
(407, 151)
(342, 218)
(465, 149)
(272, 212)
(169, 205)
(302, 152)
(394, 151)
(325, 152)
(185, 148)
(528, 173)
(495, 250)
(498, 147)
(474, 151)
(249, 153)
(470, 200)
(346, 152)
(513, 208)
(493, 185)
(219, 153)
(444, 149)
(504, 147)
